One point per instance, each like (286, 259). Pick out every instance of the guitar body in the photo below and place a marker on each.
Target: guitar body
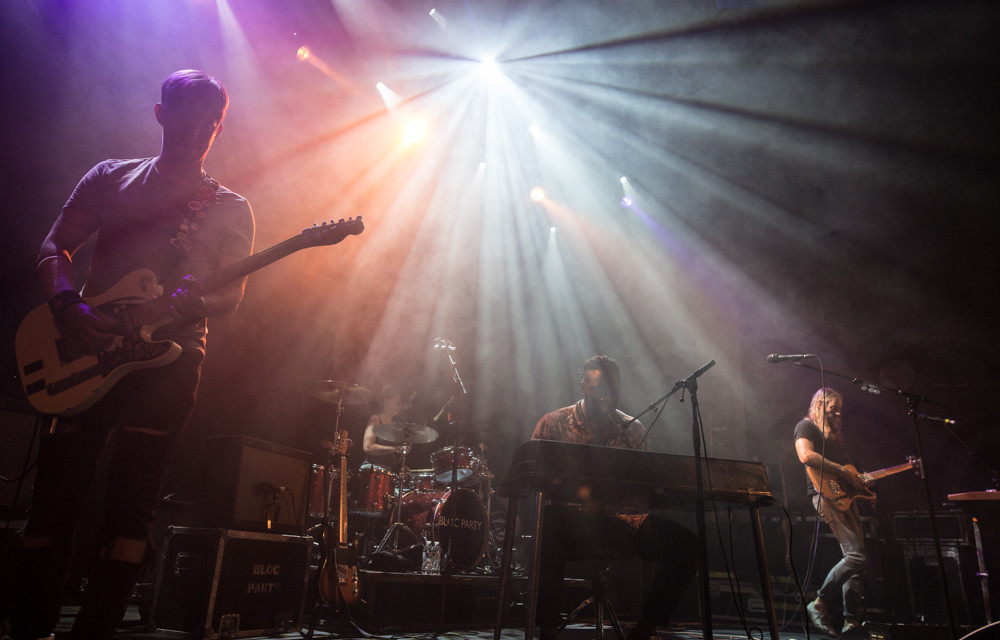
(61, 378)
(835, 494)
(841, 497)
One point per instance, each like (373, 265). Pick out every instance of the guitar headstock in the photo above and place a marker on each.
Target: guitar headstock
(329, 233)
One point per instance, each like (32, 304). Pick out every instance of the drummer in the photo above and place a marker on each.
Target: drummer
(391, 404)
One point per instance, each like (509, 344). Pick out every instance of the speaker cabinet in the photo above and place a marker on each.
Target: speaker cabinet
(20, 432)
(252, 485)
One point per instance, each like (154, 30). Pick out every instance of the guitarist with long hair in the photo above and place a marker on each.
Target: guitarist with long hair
(819, 444)
(164, 214)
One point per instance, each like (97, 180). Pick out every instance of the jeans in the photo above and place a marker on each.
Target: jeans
(846, 575)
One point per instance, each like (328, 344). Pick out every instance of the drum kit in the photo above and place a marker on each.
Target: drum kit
(448, 503)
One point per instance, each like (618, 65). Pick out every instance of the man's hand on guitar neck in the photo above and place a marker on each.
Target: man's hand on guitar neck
(185, 304)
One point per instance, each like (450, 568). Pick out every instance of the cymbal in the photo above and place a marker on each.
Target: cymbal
(399, 432)
(335, 391)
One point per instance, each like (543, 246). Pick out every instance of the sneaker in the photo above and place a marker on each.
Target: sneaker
(850, 624)
(820, 617)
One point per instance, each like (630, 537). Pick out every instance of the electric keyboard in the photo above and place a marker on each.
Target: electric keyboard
(569, 472)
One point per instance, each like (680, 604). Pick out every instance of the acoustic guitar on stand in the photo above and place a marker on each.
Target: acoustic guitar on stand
(842, 496)
(61, 378)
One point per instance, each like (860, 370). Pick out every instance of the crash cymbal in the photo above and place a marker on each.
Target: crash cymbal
(335, 391)
(399, 432)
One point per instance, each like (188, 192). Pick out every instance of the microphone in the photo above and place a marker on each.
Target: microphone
(443, 343)
(774, 357)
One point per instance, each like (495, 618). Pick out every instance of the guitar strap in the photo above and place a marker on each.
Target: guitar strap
(196, 209)
(194, 212)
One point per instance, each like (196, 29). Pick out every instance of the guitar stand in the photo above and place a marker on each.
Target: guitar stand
(339, 613)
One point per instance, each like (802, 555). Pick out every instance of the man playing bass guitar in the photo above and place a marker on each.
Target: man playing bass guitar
(819, 444)
(164, 214)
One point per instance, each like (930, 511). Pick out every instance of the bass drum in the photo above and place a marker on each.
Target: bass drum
(457, 518)
(461, 526)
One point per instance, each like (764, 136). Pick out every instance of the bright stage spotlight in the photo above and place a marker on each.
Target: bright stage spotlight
(438, 18)
(389, 97)
(305, 55)
(413, 133)
(538, 194)
(489, 70)
(534, 130)
(628, 192)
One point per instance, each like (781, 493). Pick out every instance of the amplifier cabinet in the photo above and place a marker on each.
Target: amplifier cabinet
(221, 583)
(253, 485)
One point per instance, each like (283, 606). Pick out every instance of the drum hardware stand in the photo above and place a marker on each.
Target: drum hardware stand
(392, 533)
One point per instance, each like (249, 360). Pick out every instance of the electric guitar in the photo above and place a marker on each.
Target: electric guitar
(841, 497)
(61, 377)
(338, 575)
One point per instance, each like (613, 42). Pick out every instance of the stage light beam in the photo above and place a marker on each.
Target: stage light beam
(389, 97)
(438, 18)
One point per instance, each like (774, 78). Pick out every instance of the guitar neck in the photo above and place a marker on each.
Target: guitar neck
(881, 473)
(342, 510)
(248, 265)
(157, 310)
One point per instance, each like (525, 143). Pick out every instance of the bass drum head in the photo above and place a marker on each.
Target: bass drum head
(462, 528)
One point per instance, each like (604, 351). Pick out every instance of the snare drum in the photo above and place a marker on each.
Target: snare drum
(422, 480)
(468, 464)
(371, 490)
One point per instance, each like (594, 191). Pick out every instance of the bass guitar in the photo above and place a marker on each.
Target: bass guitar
(338, 575)
(62, 378)
(842, 496)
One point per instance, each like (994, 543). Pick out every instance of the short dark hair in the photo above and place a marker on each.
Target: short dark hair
(609, 368)
(189, 82)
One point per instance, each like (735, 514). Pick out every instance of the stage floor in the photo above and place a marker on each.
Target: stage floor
(130, 630)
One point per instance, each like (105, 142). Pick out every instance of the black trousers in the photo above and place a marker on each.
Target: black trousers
(574, 533)
(145, 411)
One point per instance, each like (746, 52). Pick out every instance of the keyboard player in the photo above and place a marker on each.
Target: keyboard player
(576, 532)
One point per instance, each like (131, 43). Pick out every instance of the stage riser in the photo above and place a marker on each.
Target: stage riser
(413, 602)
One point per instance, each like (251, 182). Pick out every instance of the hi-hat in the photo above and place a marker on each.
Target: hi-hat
(400, 432)
(335, 392)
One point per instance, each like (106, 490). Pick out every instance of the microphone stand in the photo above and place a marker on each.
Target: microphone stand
(691, 384)
(912, 401)
(448, 347)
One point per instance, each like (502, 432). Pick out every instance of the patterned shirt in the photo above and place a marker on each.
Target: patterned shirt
(570, 424)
